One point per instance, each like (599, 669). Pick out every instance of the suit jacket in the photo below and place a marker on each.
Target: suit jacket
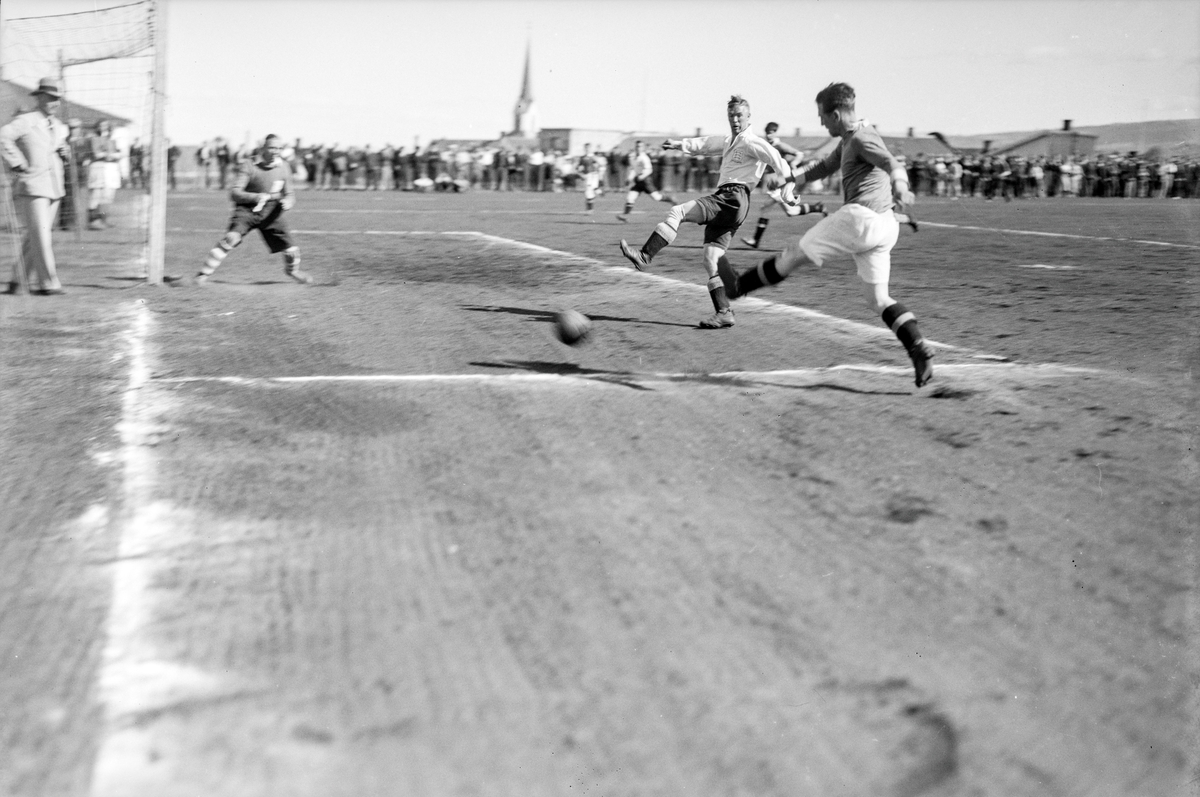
(32, 147)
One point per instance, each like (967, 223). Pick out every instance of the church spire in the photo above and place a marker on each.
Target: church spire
(526, 86)
(525, 121)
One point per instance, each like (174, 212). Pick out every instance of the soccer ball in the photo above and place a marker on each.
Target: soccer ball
(572, 327)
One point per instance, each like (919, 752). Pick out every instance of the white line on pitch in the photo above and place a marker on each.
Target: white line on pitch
(1058, 235)
(133, 676)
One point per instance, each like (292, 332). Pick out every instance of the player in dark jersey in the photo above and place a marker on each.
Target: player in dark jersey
(589, 170)
(262, 192)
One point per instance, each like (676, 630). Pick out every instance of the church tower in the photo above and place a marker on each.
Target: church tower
(525, 119)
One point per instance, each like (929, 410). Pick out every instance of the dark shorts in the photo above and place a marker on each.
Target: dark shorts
(643, 185)
(270, 225)
(724, 212)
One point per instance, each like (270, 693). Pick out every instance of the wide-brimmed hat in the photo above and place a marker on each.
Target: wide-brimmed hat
(49, 87)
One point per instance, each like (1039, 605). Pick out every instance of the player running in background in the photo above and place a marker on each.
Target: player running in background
(744, 158)
(589, 169)
(639, 181)
(775, 188)
(262, 192)
(864, 228)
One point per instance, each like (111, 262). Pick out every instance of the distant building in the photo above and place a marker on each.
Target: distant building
(15, 99)
(1065, 143)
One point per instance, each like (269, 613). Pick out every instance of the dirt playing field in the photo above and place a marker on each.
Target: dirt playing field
(385, 535)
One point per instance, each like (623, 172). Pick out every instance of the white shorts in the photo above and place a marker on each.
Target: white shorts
(857, 231)
(104, 175)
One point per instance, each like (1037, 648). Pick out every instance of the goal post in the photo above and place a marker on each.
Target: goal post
(111, 66)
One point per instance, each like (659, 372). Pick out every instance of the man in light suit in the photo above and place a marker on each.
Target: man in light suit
(33, 147)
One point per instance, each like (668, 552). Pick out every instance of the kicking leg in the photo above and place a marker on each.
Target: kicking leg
(771, 271)
(904, 324)
(663, 235)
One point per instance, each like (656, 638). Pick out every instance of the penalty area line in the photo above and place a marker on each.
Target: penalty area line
(1058, 235)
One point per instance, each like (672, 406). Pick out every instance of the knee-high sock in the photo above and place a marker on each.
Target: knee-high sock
(662, 237)
(716, 292)
(215, 257)
(765, 273)
(760, 228)
(903, 323)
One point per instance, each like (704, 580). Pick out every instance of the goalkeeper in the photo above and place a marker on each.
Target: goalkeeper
(745, 156)
(262, 192)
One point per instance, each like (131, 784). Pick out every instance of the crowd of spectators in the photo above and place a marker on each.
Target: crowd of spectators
(1128, 175)
(455, 168)
(460, 168)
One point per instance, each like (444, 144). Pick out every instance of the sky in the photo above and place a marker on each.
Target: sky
(402, 71)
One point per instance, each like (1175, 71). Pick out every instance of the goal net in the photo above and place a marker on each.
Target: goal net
(108, 64)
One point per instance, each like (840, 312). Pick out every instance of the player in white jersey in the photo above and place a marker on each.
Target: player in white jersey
(744, 159)
(589, 169)
(640, 180)
(774, 185)
(864, 228)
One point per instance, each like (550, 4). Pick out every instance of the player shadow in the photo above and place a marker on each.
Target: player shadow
(547, 316)
(833, 386)
(623, 378)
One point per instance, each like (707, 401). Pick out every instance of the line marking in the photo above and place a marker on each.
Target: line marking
(134, 676)
(1058, 235)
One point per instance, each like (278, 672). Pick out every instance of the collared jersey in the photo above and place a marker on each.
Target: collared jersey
(866, 168)
(256, 177)
(744, 157)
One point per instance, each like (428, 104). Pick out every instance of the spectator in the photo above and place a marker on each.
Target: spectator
(373, 167)
(173, 153)
(224, 160)
(33, 146)
(104, 175)
(203, 159)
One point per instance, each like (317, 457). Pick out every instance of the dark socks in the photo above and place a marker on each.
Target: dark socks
(654, 244)
(903, 323)
(759, 229)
